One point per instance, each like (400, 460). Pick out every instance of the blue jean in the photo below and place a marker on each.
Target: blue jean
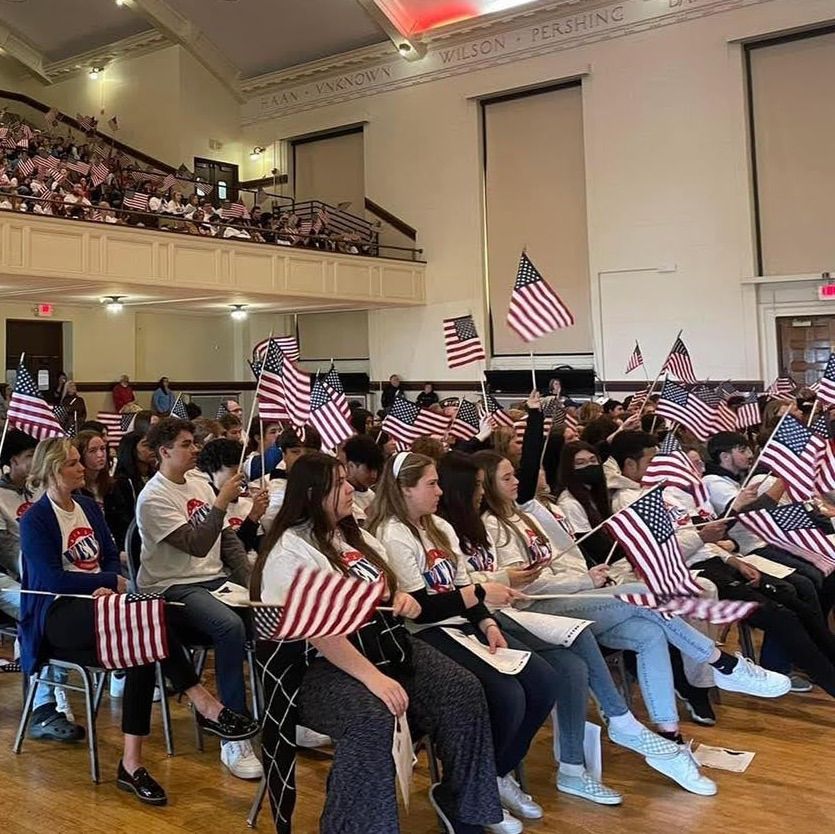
(619, 625)
(9, 601)
(46, 694)
(579, 667)
(224, 628)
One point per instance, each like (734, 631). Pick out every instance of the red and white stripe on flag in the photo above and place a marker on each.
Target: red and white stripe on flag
(326, 604)
(826, 384)
(326, 417)
(463, 346)
(714, 611)
(636, 359)
(29, 411)
(535, 309)
(130, 630)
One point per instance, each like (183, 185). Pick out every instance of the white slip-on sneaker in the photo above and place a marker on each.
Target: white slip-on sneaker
(117, 685)
(647, 743)
(508, 825)
(587, 787)
(62, 704)
(516, 800)
(306, 737)
(684, 769)
(751, 679)
(241, 760)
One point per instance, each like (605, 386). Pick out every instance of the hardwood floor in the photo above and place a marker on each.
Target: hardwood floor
(47, 789)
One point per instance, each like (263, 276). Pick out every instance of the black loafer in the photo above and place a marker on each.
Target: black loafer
(142, 784)
(230, 726)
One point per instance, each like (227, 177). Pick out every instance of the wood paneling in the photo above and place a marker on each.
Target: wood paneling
(804, 344)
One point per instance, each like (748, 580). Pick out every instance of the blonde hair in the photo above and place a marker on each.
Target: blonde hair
(389, 501)
(50, 455)
(588, 412)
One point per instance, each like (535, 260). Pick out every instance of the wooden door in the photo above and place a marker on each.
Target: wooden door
(43, 344)
(804, 344)
(222, 176)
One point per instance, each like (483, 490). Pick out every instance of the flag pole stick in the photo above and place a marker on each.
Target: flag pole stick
(655, 414)
(611, 553)
(602, 523)
(643, 364)
(7, 421)
(533, 372)
(254, 403)
(655, 382)
(175, 403)
(756, 460)
(812, 415)
(65, 596)
(263, 455)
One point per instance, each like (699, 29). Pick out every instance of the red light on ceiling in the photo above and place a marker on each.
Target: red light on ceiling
(445, 14)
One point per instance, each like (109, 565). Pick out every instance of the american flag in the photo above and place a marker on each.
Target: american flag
(130, 630)
(724, 417)
(679, 363)
(135, 200)
(222, 410)
(714, 611)
(234, 211)
(466, 422)
(672, 467)
(406, 422)
(558, 414)
(86, 123)
(497, 414)
(288, 344)
(826, 463)
(646, 534)
(47, 164)
(29, 411)
(535, 309)
(793, 453)
(826, 385)
(793, 528)
(636, 359)
(520, 426)
(78, 167)
(334, 383)
(99, 173)
(169, 182)
(638, 399)
(463, 346)
(782, 388)
(26, 167)
(319, 603)
(678, 404)
(327, 418)
(179, 409)
(118, 425)
(271, 401)
(67, 417)
(748, 413)
(285, 388)
(203, 188)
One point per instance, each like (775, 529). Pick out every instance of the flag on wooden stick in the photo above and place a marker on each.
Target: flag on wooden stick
(535, 309)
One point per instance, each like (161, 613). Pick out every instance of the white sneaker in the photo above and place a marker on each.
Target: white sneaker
(306, 737)
(751, 679)
(508, 825)
(684, 769)
(117, 685)
(62, 703)
(516, 800)
(241, 760)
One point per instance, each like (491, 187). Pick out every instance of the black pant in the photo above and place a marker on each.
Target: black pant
(71, 635)
(792, 623)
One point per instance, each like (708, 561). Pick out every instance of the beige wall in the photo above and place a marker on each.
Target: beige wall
(331, 169)
(334, 335)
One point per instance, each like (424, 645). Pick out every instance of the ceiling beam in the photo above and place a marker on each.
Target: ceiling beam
(14, 45)
(390, 18)
(182, 31)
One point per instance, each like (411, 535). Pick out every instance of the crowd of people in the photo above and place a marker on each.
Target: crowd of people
(56, 176)
(466, 538)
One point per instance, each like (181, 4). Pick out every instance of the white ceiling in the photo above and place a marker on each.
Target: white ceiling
(254, 36)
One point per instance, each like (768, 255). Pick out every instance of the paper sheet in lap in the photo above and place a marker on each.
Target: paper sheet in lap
(559, 631)
(235, 596)
(507, 661)
(404, 757)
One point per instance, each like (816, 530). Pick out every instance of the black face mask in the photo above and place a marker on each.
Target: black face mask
(590, 475)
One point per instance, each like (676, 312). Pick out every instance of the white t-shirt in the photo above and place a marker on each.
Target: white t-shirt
(294, 550)
(162, 508)
(80, 549)
(276, 487)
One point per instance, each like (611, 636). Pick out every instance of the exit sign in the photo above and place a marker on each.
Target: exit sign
(826, 292)
(44, 310)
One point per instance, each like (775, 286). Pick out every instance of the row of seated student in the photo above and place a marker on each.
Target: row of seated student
(456, 536)
(29, 185)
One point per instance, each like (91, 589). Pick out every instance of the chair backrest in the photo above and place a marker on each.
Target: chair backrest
(133, 549)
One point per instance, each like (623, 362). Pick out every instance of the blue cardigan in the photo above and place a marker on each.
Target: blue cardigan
(40, 543)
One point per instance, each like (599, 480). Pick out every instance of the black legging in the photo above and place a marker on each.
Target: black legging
(70, 635)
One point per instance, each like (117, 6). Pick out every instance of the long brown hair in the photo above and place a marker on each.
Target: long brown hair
(497, 506)
(308, 485)
(103, 482)
(389, 501)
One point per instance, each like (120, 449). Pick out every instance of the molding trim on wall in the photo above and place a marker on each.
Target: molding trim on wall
(477, 45)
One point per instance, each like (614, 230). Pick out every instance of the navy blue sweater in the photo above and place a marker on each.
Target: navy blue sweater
(43, 570)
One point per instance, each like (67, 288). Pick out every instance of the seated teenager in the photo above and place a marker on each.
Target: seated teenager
(93, 450)
(233, 428)
(269, 430)
(363, 464)
(67, 549)
(292, 444)
(355, 686)
(422, 550)
(188, 551)
(579, 667)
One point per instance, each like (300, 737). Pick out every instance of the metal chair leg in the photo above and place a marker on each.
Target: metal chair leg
(90, 685)
(26, 715)
(100, 680)
(746, 641)
(434, 771)
(253, 683)
(165, 710)
(257, 802)
(199, 660)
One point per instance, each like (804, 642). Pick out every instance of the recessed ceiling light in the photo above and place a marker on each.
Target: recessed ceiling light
(95, 72)
(113, 303)
(239, 312)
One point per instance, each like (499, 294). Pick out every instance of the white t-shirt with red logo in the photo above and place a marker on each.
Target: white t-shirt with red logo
(80, 550)
(162, 508)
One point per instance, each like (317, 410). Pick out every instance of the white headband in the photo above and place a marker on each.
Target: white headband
(399, 458)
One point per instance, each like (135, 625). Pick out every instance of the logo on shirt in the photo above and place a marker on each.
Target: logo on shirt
(440, 574)
(480, 559)
(538, 549)
(22, 509)
(197, 511)
(359, 566)
(82, 549)
(235, 522)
